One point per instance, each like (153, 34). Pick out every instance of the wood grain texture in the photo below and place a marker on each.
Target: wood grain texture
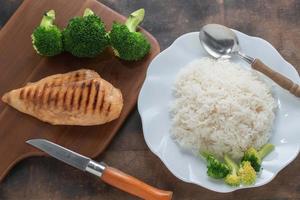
(20, 64)
(276, 21)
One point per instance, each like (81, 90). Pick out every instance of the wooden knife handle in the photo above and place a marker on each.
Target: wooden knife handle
(133, 186)
(280, 79)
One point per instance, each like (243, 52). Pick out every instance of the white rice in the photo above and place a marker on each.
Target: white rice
(221, 108)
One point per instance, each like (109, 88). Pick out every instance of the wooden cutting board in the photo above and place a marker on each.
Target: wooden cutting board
(19, 64)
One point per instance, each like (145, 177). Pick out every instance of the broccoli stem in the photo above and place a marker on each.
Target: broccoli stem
(135, 19)
(233, 166)
(48, 19)
(88, 12)
(265, 150)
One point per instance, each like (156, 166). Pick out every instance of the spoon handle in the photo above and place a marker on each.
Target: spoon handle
(280, 79)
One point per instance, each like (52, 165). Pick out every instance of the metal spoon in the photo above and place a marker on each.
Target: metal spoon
(221, 42)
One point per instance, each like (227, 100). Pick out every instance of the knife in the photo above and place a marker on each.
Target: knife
(107, 174)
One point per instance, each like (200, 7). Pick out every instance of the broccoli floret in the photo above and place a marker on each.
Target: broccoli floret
(215, 168)
(255, 157)
(85, 36)
(247, 173)
(127, 43)
(232, 178)
(47, 37)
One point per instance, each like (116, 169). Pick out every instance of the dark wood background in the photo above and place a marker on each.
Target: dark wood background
(277, 21)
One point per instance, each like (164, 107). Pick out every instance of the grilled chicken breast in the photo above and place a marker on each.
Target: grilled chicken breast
(80, 97)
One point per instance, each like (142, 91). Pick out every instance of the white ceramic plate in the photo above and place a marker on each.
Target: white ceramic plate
(156, 95)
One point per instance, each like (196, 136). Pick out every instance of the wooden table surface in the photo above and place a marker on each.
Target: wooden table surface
(277, 21)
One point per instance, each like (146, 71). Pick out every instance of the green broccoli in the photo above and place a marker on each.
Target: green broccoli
(85, 36)
(47, 37)
(215, 168)
(232, 178)
(255, 157)
(247, 173)
(126, 42)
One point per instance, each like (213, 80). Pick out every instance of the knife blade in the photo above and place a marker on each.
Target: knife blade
(107, 174)
(70, 157)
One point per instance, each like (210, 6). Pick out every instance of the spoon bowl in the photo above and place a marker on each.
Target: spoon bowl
(219, 41)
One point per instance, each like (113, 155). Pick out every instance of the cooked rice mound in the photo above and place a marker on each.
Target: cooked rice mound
(221, 107)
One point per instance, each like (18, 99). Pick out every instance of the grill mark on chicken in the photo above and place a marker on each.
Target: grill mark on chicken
(87, 101)
(35, 93)
(56, 98)
(64, 99)
(28, 94)
(80, 96)
(35, 96)
(76, 76)
(41, 96)
(48, 99)
(109, 102)
(102, 101)
(43, 92)
(108, 109)
(21, 96)
(72, 98)
(97, 86)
